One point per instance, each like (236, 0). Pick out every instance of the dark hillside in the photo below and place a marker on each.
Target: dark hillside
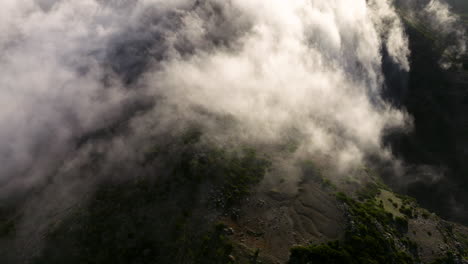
(438, 101)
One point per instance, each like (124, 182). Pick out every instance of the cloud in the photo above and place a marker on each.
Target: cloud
(73, 69)
(312, 66)
(442, 25)
(51, 89)
(448, 26)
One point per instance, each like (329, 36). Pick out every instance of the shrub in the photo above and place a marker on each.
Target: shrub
(406, 211)
(401, 224)
(323, 253)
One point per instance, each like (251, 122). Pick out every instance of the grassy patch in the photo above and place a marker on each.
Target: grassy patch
(390, 202)
(370, 191)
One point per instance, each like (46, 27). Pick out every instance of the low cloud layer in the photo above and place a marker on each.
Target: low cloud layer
(70, 69)
(447, 24)
(437, 19)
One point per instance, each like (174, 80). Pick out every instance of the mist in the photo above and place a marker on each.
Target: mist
(71, 68)
(74, 70)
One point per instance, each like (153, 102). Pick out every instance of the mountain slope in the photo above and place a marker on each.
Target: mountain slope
(203, 213)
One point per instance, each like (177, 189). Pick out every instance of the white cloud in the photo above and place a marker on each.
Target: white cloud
(271, 65)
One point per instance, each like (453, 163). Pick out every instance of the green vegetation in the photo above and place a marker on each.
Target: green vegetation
(391, 203)
(152, 219)
(369, 191)
(331, 252)
(425, 214)
(370, 237)
(449, 258)
(407, 200)
(231, 173)
(328, 184)
(240, 174)
(290, 146)
(402, 224)
(407, 211)
(463, 239)
(311, 171)
(214, 248)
